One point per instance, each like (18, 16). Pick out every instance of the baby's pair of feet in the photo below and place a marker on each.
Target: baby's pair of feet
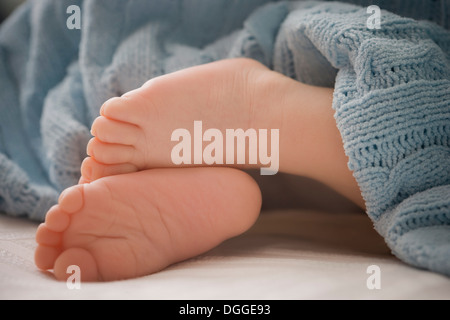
(133, 213)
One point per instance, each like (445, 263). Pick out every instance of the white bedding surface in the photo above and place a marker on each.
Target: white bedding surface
(290, 254)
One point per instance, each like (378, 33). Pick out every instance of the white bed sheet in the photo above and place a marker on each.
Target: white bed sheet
(290, 254)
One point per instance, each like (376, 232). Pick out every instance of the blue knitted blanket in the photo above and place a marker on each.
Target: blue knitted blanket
(391, 98)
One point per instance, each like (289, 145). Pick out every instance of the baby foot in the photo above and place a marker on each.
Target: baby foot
(134, 131)
(136, 224)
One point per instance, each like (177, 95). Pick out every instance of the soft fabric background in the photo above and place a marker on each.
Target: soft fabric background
(391, 92)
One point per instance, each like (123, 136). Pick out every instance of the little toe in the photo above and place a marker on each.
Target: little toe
(81, 258)
(91, 170)
(117, 132)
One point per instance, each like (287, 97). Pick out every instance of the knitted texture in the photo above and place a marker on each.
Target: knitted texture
(391, 98)
(392, 102)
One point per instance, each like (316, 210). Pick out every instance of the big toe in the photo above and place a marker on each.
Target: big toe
(78, 263)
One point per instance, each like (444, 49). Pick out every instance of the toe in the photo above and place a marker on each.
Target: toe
(108, 153)
(57, 220)
(92, 170)
(87, 169)
(117, 132)
(45, 256)
(81, 258)
(83, 180)
(71, 200)
(47, 237)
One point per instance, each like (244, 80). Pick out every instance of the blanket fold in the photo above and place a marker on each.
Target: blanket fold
(391, 92)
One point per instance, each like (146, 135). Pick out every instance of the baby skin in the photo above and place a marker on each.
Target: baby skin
(135, 213)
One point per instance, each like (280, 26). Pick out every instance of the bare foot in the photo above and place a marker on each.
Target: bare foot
(136, 224)
(134, 131)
